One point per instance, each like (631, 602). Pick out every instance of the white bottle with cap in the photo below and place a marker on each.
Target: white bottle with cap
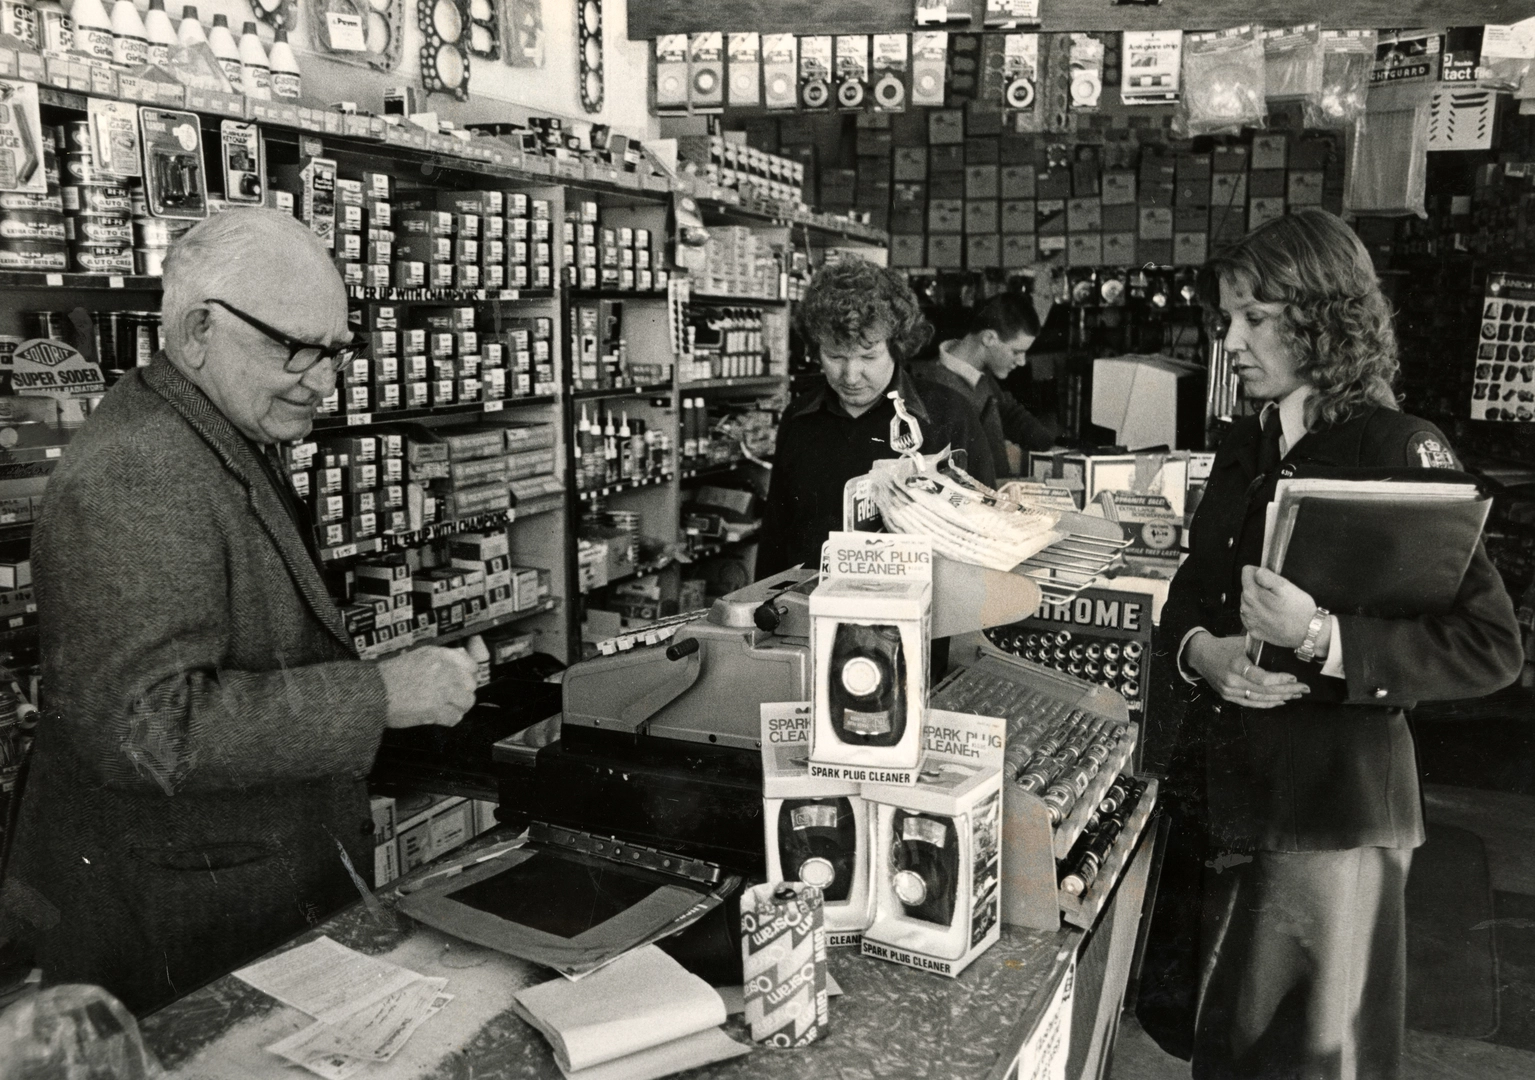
(161, 34)
(255, 69)
(93, 30)
(190, 31)
(55, 29)
(480, 654)
(285, 75)
(225, 51)
(130, 41)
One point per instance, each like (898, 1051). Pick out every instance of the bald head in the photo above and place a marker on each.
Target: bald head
(244, 291)
(264, 261)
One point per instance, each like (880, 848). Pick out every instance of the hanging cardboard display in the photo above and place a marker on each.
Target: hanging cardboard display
(852, 52)
(744, 75)
(780, 61)
(891, 72)
(706, 70)
(929, 52)
(672, 71)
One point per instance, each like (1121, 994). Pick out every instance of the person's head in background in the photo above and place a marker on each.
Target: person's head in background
(860, 320)
(1298, 304)
(999, 334)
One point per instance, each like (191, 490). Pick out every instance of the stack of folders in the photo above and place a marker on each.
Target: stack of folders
(1384, 543)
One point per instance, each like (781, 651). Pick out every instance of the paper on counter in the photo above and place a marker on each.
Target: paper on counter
(690, 1052)
(326, 979)
(641, 1000)
(375, 1032)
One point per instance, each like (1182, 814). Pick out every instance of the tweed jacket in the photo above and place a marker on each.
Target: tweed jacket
(1314, 776)
(197, 782)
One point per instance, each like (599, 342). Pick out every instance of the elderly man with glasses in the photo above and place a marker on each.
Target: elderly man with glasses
(196, 793)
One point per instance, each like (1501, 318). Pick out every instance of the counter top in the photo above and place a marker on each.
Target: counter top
(891, 1021)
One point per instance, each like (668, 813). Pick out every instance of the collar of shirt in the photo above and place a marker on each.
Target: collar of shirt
(823, 398)
(968, 372)
(1292, 417)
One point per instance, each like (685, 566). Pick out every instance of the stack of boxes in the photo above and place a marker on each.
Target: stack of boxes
(364, 230)
(741, 262)
(353, 486)
(467, 472)
(1007, 201)
(613, 258)
(731, 164)
(382, 610)
(528, 345)
(416, 829)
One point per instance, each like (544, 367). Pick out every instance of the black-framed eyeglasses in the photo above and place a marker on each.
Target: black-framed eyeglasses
(302, 355)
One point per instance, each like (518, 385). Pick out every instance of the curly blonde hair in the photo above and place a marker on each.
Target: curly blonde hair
(854, 302)
(1336, 321)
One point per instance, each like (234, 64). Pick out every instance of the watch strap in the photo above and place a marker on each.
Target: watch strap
(1307, 650)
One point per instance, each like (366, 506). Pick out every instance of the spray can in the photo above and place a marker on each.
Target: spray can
(783, 959)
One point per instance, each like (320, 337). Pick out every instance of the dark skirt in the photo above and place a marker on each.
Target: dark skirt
(1305, 967)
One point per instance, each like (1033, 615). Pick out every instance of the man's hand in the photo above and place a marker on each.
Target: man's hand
(1222, 662)
(428, 685)
(1014, 458)
(1273, 610)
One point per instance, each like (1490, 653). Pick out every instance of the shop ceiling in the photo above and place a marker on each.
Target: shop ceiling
(651, 18)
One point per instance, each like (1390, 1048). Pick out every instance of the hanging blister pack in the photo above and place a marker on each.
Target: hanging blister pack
(891, 72)
(1086, 71)
(706, 69)
(1020, 70)
(175, 185)
(744, 77)
(816, 830)
(929, 54)
(244, 162)
(1223, 83)
(1292, 63)
(1150, 66)
(484, 29)
(672, 71)
(937, 849)
(815, 60)
(852, 56)
(370, 34)
(780, 63)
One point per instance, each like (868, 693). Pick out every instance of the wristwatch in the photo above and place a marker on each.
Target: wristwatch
(1307, 649)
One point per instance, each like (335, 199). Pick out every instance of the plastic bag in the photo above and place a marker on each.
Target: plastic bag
(1347, 58)
(73, 1032)
(1508, 55)
(1292, 62)
(1388, 174)
(1223, 83)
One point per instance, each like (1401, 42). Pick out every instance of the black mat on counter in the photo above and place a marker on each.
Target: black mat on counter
(1452, 967)
(1514, 928)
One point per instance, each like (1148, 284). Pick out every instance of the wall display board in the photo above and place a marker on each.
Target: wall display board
(1504, 385)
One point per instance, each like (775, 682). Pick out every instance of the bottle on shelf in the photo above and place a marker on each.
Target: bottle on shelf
(625, 450)
(638, 465)
(286, 82)
(160, 32)
(93, 30)
(189, 31)
(255, 68)
(225, 51)
(587, 438)
(130, 41)
(685, 426)
(610, 451)
(55, 29)
(477, 651)
(580, 466)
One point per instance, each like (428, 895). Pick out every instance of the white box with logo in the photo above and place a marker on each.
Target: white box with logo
(938, 850)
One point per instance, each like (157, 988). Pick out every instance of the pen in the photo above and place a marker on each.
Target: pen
(454, 871)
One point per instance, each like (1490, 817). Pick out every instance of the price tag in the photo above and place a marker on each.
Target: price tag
(359, 418)
(494, 406)
(509, 294)
(54, 451)
(54, 279)
(15, 621)
(345, 551)
(114, 282)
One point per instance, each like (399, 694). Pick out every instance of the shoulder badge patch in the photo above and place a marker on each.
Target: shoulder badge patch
(1430, 451)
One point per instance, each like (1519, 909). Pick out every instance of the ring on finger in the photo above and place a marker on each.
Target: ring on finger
(1247, 693)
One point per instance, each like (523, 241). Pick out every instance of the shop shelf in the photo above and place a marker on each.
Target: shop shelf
(446, 296)
(639, 571)
(621, 391)
(552, 604)
(744, 382)
(396, 416)
(708, 551)
(706, 471)
(27, 279)
(593, 494)
(726, 300)
(616, 294)
(15, 530)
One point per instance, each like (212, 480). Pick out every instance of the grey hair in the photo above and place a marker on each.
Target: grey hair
(217, 257)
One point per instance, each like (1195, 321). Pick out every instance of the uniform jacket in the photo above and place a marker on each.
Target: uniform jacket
(820, 448)
(200, 762)
(1313, 776)
(1002, 418)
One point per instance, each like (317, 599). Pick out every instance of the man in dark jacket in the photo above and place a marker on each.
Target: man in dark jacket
(196, 792)
(862, 321)
(997, 342)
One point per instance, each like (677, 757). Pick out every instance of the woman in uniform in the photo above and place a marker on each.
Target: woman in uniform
(1314, 807)
(862, 323)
